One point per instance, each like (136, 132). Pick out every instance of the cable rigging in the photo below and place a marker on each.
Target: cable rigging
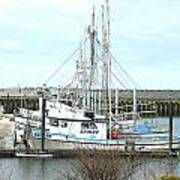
(63, 64)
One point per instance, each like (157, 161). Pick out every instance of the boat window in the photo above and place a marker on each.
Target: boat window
(64, 124)
(100, 120)
(54, 122)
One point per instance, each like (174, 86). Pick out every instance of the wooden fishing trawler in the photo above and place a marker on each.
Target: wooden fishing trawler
(77, 121)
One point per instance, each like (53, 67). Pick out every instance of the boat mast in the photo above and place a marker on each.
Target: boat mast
(103, 45)
(109, 69)
(116, 100)
(134, 106)
(92, 34)
(82, 76)
(85, 78)
(107, 58)
(104, 68)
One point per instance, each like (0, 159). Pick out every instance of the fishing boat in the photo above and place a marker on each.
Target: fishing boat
(77, 120)
(82, 129)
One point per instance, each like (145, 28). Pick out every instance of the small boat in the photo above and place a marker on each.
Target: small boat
(33, 155)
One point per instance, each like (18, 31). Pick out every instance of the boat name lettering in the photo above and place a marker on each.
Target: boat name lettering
(89, 131)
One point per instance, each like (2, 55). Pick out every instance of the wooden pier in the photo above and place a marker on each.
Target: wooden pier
(155, 101)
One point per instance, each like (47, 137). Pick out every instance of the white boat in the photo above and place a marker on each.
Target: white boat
(33, 155)
(88, 128)
(83, 125)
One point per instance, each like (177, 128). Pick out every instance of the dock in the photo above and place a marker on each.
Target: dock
(69, 153)
(149, 100)
(58, 149)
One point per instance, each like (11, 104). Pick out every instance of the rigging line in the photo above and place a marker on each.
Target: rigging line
(121, 68)
(124, 79)
(118, 80)
(63, 63)
(69, 81)
(125, 72)
(115, 76)
(60, 66)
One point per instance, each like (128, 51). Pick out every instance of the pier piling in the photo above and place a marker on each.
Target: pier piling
(170, 127)
(43, 123)
(147, 100)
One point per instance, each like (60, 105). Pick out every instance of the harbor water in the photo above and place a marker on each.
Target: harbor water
(54, 169)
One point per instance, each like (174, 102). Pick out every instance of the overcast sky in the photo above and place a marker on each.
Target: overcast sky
(37, 35)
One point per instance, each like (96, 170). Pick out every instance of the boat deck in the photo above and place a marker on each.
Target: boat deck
(71, 149)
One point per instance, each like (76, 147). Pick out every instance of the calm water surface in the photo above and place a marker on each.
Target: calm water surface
(53, 169)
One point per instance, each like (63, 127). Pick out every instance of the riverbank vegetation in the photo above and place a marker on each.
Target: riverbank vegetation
(169, 177)
(104, 165)
(109, 165)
